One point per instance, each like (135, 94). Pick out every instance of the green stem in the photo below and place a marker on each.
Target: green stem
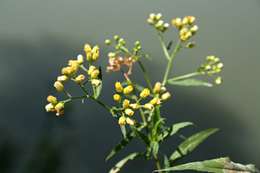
(170, 62)
(146, 76)
(157, 163)
(189, 75)
(164, 47)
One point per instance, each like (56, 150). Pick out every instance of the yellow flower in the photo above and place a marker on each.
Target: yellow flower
(145, 93)
(80, 78)
(177, 22)
(148, 106)
(188, 20)
(185, 34)
(119, 88)
(59, 86)
(165, 96)
(117, 97)
(62, 78)
(129, 112)
(122, 121)
(157, 87)
(51, 99)
(126, 103)
(95, 53)
(128, 89)
(130, 122)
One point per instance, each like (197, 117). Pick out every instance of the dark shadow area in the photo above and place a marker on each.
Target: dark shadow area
(38, 142)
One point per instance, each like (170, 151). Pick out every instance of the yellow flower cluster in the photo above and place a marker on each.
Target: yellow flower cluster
(186, 27)
(123, 96)
(156, 21)
(71, 72)
(54, 106)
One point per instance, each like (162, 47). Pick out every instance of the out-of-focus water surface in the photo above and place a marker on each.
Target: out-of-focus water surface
(37, 37)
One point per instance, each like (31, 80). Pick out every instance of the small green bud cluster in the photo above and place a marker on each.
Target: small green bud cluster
(212, 66)
(156, 21)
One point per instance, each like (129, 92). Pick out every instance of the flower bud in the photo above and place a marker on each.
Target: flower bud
(95, 53)
(59, 86)
(59, 106)
(126, 103)
(122, 121)
(80, 78)
(119, 88)
(134, 106)
(49, 107)
(94, 74)
(88, 51)
(80, 59)
(117, 97)
(155, 101)
(96, 82)
(148, 106)
(157, 87)
(107, 42)
(129, 112)
(51, 99)
(62, 78)
(166, 96)
(67, 71)
(218, 80)
(130, 122)
(145, 93)
(128, 89)
(194, 29)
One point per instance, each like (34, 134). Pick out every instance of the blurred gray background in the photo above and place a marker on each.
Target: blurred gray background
(37, 37)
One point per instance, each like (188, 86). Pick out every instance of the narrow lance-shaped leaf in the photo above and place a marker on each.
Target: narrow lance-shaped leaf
(191, 143)
(174, 129)
(121, 163)
(123, 143)
(189, 82)
(220, 165)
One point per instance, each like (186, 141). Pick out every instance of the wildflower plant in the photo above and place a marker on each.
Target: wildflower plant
(137, 108)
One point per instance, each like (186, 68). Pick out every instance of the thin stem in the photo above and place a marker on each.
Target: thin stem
(189, 75)
(146, 76)
(170, 62)
(164, 47)
(157, 163)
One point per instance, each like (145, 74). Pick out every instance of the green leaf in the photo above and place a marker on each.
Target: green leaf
(121, 163)
(189, 82)
(174, 129)
(191, 143)
(123, 130)
(155, 148)
(123, 143)
(220, 165)
(166, 162)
